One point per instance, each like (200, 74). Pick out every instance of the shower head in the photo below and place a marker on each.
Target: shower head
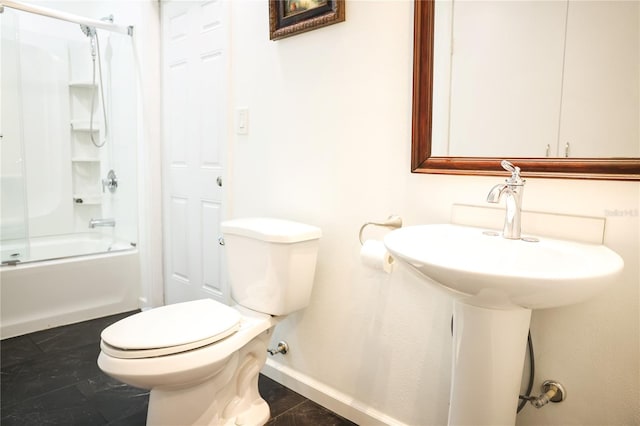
(91, 33)
(87, 30)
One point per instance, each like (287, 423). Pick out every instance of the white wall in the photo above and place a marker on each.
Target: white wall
(329, 144)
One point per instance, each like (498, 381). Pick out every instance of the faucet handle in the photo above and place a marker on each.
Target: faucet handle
(110, 182)
(515, 173)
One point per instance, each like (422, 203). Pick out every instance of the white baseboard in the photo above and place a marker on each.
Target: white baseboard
(326, 396)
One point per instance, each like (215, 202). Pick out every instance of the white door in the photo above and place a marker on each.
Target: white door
(194, 72)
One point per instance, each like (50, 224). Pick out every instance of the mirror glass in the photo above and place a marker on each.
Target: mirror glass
(536, 79)
(555, 84)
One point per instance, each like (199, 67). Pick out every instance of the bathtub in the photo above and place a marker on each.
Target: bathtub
(70, 286)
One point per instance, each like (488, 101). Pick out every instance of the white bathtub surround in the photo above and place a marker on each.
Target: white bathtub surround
(62, 169)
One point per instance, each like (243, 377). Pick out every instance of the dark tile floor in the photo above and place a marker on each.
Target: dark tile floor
(51, 378)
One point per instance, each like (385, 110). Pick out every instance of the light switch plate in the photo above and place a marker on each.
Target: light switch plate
(242, 121)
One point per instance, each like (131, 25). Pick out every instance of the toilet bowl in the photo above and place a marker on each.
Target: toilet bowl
(201, 359)
(208, 384)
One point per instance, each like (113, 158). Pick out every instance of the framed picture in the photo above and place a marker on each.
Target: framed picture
(291, 17)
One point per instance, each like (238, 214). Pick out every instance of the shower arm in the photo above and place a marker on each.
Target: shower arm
(56, 14)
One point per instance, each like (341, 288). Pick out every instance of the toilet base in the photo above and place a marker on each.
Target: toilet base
(230, 397)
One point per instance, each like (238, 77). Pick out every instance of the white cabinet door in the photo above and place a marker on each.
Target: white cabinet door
(600, 102)
(194, 72)
(506, 77)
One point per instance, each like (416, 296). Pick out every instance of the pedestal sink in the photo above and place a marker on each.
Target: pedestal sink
(496, 283)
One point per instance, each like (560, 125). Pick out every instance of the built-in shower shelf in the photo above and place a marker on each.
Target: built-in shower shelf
(87, 200)
(83, 84)
(85, 160)
(84, 126)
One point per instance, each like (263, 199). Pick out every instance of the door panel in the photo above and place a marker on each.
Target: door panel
(194, 115)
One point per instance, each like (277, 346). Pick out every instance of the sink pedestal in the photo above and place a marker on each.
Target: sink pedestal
(489, 348)
(491, 279)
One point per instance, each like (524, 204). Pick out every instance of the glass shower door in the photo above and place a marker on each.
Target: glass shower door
(68, 122)
(13, 206)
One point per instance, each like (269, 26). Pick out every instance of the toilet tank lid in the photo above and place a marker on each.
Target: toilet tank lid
(271, 230)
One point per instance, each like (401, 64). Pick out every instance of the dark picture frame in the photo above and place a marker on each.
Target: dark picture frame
(291, 17)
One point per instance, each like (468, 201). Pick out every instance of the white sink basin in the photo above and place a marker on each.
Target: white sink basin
(497, 283)
(496, 272)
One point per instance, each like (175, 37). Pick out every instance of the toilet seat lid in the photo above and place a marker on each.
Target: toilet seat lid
(170, 329)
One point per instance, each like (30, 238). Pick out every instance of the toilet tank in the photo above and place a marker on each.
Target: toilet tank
(271, 263)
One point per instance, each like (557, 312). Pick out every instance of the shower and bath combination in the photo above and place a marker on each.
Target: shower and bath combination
(90, 32)
(51, 173)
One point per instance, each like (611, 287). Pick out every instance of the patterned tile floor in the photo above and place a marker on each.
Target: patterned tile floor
(51, 378)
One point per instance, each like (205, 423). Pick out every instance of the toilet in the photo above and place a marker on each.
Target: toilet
(201, 359)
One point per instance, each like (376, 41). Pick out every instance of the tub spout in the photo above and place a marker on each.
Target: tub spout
(102, 222)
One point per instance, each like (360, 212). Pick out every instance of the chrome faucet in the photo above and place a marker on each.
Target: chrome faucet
(513, 188)
(102, 222)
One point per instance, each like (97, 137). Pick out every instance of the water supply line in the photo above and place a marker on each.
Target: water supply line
(282, 348)
(532, 372)
(552, 391)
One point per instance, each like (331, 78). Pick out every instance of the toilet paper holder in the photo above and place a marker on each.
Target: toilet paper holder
(393, 222)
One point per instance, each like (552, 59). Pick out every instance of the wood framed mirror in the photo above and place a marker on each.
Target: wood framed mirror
(422, 160)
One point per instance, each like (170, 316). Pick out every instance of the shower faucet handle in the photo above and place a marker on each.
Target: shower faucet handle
(110, 182)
